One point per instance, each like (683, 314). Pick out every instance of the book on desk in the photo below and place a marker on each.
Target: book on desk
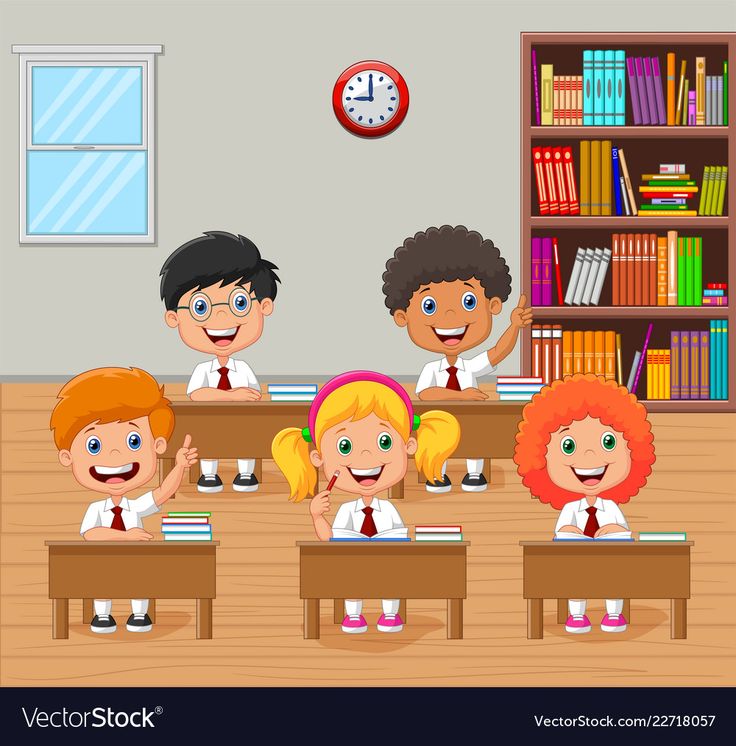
(391, 534)
(615, 536)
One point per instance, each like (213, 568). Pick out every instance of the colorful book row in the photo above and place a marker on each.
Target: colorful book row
(554, 171)
(605, 184)
(698, 365)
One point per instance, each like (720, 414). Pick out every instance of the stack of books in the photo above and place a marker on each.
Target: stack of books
(438, 533)
(518, 388)
(587, 277)
(713, 194)
(292, 391)
(662, 536)
(668, 192)
(714, 294)
(554, 171)
(186, 526)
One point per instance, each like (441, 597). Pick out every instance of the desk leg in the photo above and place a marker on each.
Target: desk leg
(152, 610)
(627, 609)
(258, 470)
(454, 619)
(311, 619)
(678, 622)
(402, 609)
(204, 618)
(338, 613)
(60, 618)
(487, 469)
(397, 491)
(562, 610)
(534, 618)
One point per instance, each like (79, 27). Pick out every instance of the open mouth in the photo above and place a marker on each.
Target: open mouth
(115, 474)
(366, 477)
(221, 337)
(450, 337)
(590, 477)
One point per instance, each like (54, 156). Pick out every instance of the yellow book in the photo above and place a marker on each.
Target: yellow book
(700, 90)
(669, 213)
(606, 177)
(585, 177)
(650, 376)
(566, 354)
(600, 353)
(595, 177)
(588, 352)
(666, 391)
(547, 95)
(578, 350)
(661, 377)
(619, 367)
(661, 270)
(609, 346)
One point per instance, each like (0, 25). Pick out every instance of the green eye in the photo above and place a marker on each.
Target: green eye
(567, 446)
(385, 442)
(344, 446)
(608, 441)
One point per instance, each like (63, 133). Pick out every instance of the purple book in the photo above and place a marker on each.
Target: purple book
(675, 365)
(642, 359)
(658, 90)
(704, 362)
(546, 271)
(536, 87)
(641, 86)
(651, 95)
(633, 90)
(536, 272)
(691, 108)
(695, 365)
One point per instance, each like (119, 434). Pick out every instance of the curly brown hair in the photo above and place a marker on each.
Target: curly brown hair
(444, 254)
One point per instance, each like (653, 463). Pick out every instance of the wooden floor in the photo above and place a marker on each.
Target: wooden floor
(258, 615)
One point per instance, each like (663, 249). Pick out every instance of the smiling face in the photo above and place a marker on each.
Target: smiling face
(449, 317)
(369, 453)
(220, 319)
(588, 457)
(114, 458)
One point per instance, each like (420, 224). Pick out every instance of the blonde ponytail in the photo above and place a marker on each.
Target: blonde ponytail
(291, 453)
(437, 438)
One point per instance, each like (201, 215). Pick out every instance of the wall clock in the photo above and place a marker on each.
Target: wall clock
(370, 98)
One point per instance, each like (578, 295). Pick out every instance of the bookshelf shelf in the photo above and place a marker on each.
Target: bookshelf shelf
(646, 146)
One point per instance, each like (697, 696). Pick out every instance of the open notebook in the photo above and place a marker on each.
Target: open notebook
(617, 536)
(391, 534)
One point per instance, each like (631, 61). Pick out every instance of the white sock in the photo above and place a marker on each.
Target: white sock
(444, 468)
(474, 465)
(576, 608)
(103, 608)
(614, 606)
(353, 608)
(390, 606)
(208, 466)
(139, 605)
(246, 466)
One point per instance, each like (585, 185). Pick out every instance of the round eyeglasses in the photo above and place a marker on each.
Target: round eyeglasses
(200, 306)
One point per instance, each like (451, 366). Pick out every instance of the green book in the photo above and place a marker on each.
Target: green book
(725, 93)
(657, 182)
(688, 271)
(704, 191)
(664, 207)
(697, 271)
(680, 271)
(721, 192)
(188, 514)
(715, 182)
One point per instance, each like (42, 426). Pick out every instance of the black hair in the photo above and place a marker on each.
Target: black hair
(216, 256)
(444, 254)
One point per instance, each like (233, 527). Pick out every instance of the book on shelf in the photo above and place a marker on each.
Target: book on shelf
(662, 536)
(713, 193)
(554, 174)
(537, 110)
(667, 196)
(390, 534)
(591, 351)
(639, 363)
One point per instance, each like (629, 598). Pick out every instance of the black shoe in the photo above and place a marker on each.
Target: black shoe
(139, 623)
(474, 483)
(103, 624)
(439, 485)
(245, 483)
(209, 483)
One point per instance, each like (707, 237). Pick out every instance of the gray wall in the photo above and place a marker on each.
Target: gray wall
(247, 142)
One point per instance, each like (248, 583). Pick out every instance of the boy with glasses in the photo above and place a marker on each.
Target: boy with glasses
(218, 291)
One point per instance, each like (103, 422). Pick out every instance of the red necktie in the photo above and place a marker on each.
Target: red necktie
(591, 525)
(452, 383)
(369, 525)
(117, 521)
(224, 382)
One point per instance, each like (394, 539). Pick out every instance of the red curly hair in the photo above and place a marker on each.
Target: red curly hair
(569, 400)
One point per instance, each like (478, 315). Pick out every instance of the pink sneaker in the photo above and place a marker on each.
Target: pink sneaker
(614, 623)
(578, 624)
(354, 624)
(390, 623)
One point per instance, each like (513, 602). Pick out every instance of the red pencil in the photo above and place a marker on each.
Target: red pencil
(332, 481)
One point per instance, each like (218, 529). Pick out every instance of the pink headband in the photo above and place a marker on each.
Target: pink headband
(355, 376)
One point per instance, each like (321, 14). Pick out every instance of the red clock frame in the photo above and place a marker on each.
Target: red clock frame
(401, 109)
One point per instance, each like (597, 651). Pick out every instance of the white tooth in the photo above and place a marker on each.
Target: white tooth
(366, 472)
(113, 469)
(590, 472)
(221, 332)
(450, 332)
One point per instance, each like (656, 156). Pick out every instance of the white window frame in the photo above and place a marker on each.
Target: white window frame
(99, 55)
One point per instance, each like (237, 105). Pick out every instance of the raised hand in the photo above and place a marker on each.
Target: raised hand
(521, 316)
(186, 456)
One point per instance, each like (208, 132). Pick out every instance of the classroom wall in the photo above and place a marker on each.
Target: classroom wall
(247, 142)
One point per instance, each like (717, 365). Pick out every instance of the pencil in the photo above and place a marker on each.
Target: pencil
(333, 480)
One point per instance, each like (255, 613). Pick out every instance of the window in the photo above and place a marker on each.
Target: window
(87, 131)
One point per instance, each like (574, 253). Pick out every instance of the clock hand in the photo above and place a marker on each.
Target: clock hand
(362, 98)
(370, 86)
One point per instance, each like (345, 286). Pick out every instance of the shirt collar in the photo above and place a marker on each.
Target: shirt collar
(124, 504)
(598, 505)
(230, 365)
(459, 364)
(358, 508)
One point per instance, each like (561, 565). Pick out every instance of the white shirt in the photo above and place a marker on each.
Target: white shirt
(573, 514)
(100, 513)
(351, 516)
(468, 371)
(206, 375)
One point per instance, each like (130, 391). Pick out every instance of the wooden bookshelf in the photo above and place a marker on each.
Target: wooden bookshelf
(645, 146)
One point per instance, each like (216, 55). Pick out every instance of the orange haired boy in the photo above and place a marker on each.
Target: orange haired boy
(109, 426)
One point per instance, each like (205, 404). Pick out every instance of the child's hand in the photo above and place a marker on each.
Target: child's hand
(521, 316)
(569, 529)
(137, 534)
(245, 394)
(186, 456)
(320, 504)
(611, 528)
(473, 394)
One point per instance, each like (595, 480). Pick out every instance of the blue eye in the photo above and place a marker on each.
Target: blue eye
(200, 306)
(240, 302)
(134, 440)
(429, 305)
(469, 301)
(94, 445)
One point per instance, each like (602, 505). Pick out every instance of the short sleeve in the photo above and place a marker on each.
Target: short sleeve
(480, 365)
(426, 378)
(620, 518)
(91, 519)
(342, 518)
(567, 516)
(250, 376)
(198, 379)
(144, 506)
(396, 519)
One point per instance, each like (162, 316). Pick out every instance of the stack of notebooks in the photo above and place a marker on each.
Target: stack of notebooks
(518, 388)
(438, 533)
(668, 192)
(605, 183)
(713, 194)
(662, 536)
(714, 294)
(587, 277)
(292, 391)
(554, 172)
(186, 526)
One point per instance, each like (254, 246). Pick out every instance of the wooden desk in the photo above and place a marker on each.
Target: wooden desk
(340, 570)
(238, 429)
(121, 569)
(598, 569)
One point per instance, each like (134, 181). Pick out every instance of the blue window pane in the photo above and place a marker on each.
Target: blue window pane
(83, 193)
(87, 105)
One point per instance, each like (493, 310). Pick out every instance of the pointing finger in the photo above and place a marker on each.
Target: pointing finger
(187, 441)
(522, 301)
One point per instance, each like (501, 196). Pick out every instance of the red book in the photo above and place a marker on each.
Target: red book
(652, 269)
(572, 191)
(717, 286)
(637, 270)
(631, 257)
(560, 181)
(556, 257)
(426, 529)
(549, 180)
(541, 184)
(615, 271)
(665, 195)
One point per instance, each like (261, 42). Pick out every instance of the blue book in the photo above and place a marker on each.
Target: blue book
(609, 111)
(619, 88)
(708, 293)
(713, 362)
(724, 359)
(587, 87)
(598, 93)
(616, 168)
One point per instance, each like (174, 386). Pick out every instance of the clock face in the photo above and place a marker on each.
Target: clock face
(370, 99)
